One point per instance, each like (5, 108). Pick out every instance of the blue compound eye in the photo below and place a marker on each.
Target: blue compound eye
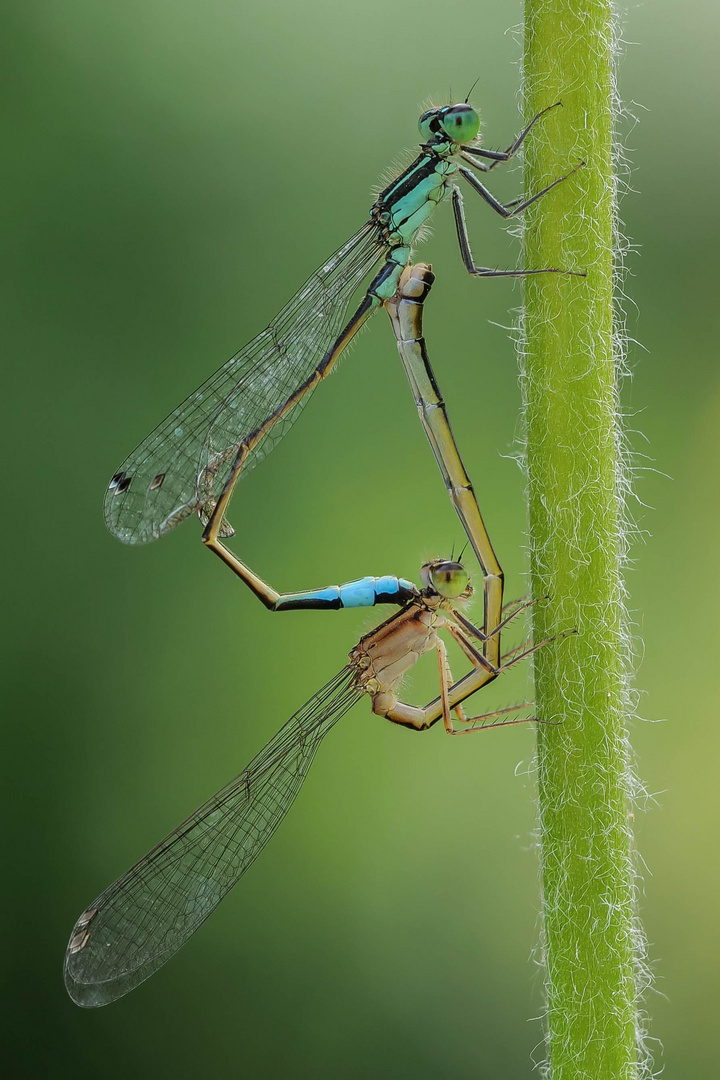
(460, 123)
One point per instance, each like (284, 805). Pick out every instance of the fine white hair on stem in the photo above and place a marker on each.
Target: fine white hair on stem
(574, 690)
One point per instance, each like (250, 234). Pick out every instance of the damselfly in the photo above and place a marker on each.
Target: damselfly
(190, 463)
(406, 311)
(137, 924)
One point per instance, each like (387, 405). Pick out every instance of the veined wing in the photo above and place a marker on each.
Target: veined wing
(182, 465)
(137, 924)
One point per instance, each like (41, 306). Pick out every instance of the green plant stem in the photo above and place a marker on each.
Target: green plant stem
(575, 486)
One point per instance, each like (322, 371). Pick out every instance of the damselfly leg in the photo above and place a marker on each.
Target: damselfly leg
(191, 462)
(379, 652)
(405, 310)
(141, 920)
(506, 211)
(480, 723)
(499, 157)
(189, 466)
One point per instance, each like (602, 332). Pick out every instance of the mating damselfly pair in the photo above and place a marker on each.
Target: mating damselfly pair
(189, 466)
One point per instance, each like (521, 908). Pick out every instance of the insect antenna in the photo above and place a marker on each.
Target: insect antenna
(471, 89)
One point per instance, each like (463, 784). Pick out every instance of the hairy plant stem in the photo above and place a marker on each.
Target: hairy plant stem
(577, 541)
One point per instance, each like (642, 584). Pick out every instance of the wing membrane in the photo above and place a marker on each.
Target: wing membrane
(182, 465)
(137, 924)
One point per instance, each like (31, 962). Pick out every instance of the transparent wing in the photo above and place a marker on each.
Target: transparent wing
(182, 465)
(137, 924)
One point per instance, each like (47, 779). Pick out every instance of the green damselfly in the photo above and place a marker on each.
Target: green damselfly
(141, 920)
(406, 315)
(190, 463)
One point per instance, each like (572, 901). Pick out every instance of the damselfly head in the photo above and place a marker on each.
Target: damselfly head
(452, 123)
(446, 578)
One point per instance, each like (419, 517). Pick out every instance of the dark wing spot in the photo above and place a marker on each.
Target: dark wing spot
(116, 480)
(87, 916)
(123, 485)
(80, 939)
(156, 481)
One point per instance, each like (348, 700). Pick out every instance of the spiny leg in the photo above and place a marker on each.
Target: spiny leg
(446, 682)
(423, 719)
(466, 645)
(469, 684)
(521, 652)
(502, 712)
(500, 723)
(474, 655)
(507, 723)
(486, 271)
(498, 157)
(451, 694)
(517, 206)
(468, 648)
(516, 605)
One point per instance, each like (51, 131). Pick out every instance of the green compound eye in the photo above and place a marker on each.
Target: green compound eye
(428, 124)
(460, 123)
(449, 579)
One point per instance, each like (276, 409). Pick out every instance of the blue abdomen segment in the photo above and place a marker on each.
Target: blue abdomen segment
(365, 592)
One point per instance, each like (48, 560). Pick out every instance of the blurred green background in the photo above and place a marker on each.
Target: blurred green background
(173, 171)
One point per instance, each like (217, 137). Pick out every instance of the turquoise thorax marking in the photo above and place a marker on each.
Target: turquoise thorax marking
(365, 592)
(426, 194)
(402, 209)
(415, 194)
(197, 452)
(387, 281)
